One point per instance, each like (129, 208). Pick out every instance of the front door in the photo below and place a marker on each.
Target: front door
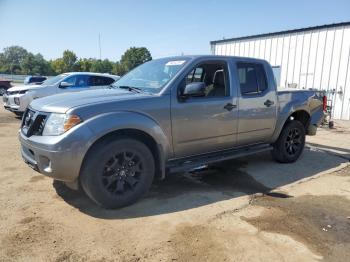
(206, 123)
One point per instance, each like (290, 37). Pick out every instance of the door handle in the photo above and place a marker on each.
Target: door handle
(268, 103)
(229, 106)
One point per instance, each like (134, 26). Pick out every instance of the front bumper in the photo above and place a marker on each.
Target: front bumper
(9, 102)
(13, 109)
(57, 157)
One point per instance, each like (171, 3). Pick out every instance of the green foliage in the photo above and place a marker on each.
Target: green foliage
(57, 65)
(17, 60)
(12, 58)
(101, 66)
(69, 60)
(119, 69)
(68, 63)
(84, 64)
(36, 65)
(135, 56)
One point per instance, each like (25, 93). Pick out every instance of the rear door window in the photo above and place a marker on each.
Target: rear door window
(252, 78)
(108, 80)
(100, 81)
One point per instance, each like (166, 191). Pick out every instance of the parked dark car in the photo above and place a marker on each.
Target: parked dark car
(4, 85)
(34, 80)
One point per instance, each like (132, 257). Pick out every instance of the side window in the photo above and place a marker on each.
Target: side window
(71, 80)
(33, 80)
(252, 78)
(195, 75)
(262, 82)
(37, 79)
(108, 81)
(213, 75)
(100, 81)
(81, 81)
(77, 81)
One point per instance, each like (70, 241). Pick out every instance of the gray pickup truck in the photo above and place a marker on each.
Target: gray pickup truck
(167, 115)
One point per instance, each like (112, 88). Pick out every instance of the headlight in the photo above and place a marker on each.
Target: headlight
(16, 100)
(57, 124)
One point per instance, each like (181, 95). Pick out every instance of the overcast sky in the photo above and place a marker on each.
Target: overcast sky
(165, 27)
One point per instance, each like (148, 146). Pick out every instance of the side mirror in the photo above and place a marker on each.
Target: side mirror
(65, 84)
(196, 89)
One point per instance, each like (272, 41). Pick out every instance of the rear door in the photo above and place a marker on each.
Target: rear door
(257, 103)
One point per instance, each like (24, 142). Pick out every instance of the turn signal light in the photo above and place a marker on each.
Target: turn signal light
(71, 121)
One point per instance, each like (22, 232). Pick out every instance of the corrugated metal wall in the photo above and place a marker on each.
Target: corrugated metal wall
(306, 59)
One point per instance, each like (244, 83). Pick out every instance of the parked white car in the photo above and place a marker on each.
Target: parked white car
(18, 98)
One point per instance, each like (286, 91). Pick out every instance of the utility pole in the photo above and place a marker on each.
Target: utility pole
(99, 44)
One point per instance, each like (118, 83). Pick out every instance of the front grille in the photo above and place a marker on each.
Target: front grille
(33, 123)
(16, 92)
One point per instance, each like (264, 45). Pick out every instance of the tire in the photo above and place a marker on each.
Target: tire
(2, 90)
(290, 144)
(116, 173)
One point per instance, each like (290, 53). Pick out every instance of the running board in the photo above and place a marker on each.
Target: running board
(189, 163)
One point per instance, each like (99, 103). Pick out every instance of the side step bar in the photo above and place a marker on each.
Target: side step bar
(185, 164)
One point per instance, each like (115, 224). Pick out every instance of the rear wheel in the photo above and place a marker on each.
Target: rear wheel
(290, 143)
(117, 173)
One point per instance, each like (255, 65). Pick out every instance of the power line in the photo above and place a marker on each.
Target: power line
(99, 45)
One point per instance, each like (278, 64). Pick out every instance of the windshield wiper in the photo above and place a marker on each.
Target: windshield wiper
(131, 88)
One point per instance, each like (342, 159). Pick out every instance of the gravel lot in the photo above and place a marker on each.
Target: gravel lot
(249, 209)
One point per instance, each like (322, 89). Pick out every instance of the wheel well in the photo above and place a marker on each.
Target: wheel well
(136, 134)
(302, 116)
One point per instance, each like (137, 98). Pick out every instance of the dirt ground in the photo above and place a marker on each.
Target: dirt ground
(249, 209)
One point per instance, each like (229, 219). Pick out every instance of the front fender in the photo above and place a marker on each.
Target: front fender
(106, 123)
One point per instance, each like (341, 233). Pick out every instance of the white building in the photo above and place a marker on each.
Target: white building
(314, 57)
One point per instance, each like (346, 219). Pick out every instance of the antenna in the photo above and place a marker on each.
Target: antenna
(99, 44)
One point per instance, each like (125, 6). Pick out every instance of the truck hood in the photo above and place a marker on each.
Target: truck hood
(61, 103)
(25, 87)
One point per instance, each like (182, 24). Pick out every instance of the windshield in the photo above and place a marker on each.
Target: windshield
(152, 76)
(54, 80)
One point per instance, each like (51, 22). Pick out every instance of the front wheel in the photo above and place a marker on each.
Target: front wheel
(19, 114)
(117, 173)
(290, 144)
(2, 90)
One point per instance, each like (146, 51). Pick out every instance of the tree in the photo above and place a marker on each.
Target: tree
(119, 69)
(101, 66)
(28, 64)
(85, 64)
(35, 65)
(135, 56)
(69, 60)
(17, 60)
(58, 66)
(12, 58)
(68, 63)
